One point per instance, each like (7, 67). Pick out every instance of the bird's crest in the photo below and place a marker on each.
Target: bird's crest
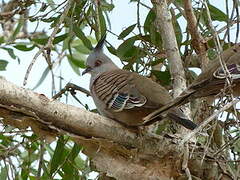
(100, 43)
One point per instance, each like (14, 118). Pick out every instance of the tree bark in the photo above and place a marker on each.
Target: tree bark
(114, 149)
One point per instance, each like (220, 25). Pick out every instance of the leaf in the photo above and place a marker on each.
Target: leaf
(18, 28)
(75, 151)
(163, 76)
(82, 49)
(155, 37)
(126, 48)
(58, 157)
(76, 61)
(112, 50)
(74, 67)
(2, 39)
(56, 40)
(102, 24)
(60, 38)
(10, 52)
(23, 47)
(43, 7)
(149, 21)
(79, 46)
(178, 31)
(50, 19)
(41, 41)
(125, 32)
(217, 14)
(149, 28)
(78, 32)
(106, 6)
(51, 3)
(4, 173)
(44, 75)
(3, 65)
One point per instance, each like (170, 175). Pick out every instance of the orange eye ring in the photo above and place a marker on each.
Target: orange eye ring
(97, 63)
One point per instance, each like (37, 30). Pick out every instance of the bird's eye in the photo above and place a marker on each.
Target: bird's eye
(98, 63)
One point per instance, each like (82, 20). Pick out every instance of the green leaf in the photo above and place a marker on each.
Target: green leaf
(3, 65)
(44, 75)
(79, 46)
(75, 151)
(82, 49)
(23, 47)
(155, 37)
(178, 31)
(126, 49)
(48, 20)
(10, 52)
(163, 76)
(78, 32)
(149, 28)
(4, 173)
(74, 67)
(112, 50)
(76, 61)
(41, 41)
(60, 38)
(125, 32)
(51, 3)
(102, 24)
(149, 21)
(57, 39)
(43, 7)
(18, 28)
(1, 39)
(106, 6)
(217, 14)
(58, 157)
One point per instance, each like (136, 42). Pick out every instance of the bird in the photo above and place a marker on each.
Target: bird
(212, 81)
(126, 96)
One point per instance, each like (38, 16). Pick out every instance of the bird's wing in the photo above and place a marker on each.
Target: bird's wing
(120, 89)
(116, 91)
(234, 70)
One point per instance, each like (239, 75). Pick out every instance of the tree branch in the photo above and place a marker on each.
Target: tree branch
(165, 26)
(113, 148)
(198, 42)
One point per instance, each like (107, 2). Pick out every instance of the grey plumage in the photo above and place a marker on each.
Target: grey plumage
(125, 96)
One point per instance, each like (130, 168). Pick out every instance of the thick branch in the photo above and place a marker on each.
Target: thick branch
(165, 26)
(73, 120)
(113, 148)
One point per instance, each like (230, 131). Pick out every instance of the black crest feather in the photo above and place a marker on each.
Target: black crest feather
(100, 43)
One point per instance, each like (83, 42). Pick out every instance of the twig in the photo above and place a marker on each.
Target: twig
(49, 43)
(71, 87)
(208, 120)
(185, 162)
(41, 153)
(232, 141)
(198, 42)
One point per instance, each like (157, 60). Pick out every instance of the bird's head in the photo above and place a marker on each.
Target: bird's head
(97, 62)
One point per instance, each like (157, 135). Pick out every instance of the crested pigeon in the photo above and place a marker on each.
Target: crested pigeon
(125, 96)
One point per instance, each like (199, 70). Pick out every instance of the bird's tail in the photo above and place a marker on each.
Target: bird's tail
(182, 120)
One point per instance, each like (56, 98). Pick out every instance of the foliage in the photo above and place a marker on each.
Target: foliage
(23, 154)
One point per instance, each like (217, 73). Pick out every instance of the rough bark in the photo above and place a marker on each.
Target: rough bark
(114, 149)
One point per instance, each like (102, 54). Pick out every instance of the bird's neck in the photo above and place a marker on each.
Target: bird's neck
(98, 72)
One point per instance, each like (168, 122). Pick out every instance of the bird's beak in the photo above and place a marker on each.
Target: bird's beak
(88, 69)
